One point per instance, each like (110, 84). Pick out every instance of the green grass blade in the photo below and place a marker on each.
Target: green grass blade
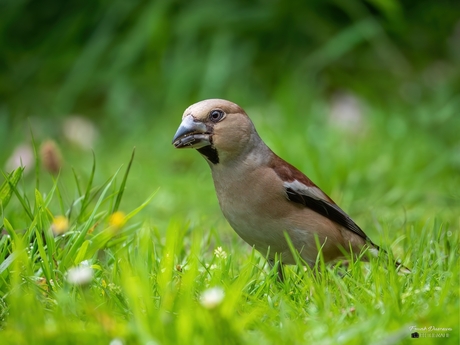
(100, 240)
(141, 207)
(123, 183)
(7, 262)
(77, 182)
(10, 230)
(86, 199)
(81, 254)
(43, 216)
(43, 255)
(8, 186)
(37, 159)
(11, 187)
(80, 237)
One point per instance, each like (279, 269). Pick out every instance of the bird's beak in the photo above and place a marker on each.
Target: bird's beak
(192, 134)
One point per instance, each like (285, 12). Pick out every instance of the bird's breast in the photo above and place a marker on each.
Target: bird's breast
(256, 206)
(252, 203)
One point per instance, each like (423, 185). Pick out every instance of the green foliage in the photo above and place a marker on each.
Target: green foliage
(131, 60)
(77, 266)
(188, 284)
(8, 186)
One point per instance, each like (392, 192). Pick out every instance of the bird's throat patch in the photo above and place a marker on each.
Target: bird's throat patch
(210, 153)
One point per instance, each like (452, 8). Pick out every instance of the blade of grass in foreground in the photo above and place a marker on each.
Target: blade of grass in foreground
(100, 240)
(123, 183)
(37, 161)
(80, 238)
(86, 199)
(7, 187)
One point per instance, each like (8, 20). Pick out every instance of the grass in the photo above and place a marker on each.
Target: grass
(160, 259)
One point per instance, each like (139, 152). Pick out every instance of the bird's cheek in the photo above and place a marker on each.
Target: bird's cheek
(227, 141)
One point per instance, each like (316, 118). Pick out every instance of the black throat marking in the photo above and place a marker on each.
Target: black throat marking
(210, 153)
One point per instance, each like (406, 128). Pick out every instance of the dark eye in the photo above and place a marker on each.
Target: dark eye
(216, 115)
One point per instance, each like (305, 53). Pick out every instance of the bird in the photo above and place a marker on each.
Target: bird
(266, 200)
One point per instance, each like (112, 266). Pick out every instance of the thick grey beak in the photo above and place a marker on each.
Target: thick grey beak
(191, 134)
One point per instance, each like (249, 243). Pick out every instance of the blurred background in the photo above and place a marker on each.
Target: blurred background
(361, 95)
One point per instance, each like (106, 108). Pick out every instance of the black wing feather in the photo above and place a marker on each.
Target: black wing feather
(328, 210)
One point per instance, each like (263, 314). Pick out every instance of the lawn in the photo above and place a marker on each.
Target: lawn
(109, 235)
(110, 249)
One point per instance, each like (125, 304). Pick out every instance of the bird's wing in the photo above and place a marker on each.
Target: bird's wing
(300, 189)
(313, 198)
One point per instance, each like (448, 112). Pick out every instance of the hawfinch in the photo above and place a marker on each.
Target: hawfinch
(262, 196)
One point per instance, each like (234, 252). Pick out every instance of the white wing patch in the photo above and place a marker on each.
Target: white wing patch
(299, 187)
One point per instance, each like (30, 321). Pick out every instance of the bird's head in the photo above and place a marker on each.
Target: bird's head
(220, 130)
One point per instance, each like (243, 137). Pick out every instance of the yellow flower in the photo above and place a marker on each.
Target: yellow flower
(117, 219)
(60, 225)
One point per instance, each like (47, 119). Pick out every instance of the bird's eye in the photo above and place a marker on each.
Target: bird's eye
(216, 115)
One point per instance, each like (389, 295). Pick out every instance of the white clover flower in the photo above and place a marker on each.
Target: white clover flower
(80, 275)
(220, 253)
(23, 155)
(212, 297)
(346, 112)
(80, 131)
(85, 263)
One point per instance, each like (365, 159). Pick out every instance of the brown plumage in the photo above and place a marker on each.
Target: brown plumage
(262, 196)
